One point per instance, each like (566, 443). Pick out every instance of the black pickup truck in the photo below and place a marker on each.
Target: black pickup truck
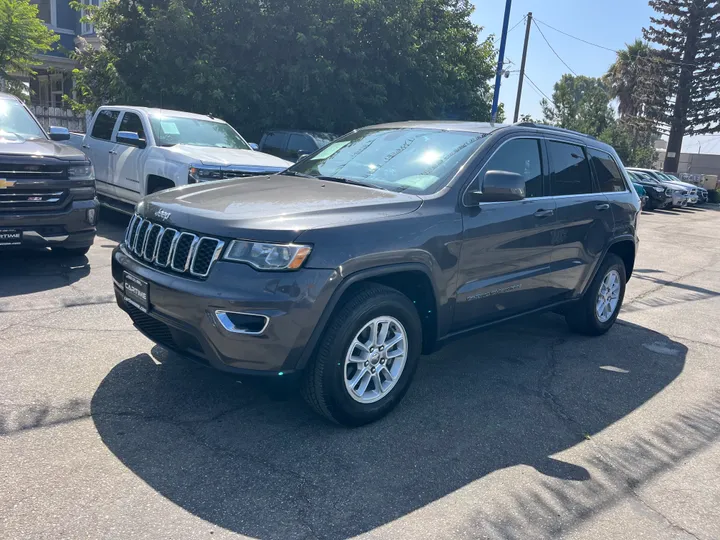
(47, 190)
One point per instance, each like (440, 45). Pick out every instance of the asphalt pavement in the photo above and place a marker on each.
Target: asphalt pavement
(523, 431)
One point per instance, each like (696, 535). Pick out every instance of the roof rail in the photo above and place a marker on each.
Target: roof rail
(554, 128)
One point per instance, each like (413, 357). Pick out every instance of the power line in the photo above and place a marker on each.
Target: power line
(553, 50)
(574, 37)
(511, 29)
(537, 88)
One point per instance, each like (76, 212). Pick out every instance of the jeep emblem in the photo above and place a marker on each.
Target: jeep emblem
(162, 214)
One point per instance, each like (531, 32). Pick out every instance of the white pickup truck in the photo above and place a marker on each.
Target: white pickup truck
(137, 151)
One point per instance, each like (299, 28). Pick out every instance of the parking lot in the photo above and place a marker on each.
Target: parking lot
(522, 431)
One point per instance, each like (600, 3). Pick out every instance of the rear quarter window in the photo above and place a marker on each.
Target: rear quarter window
(609, 177)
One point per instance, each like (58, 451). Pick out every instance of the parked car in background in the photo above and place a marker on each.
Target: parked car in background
(641, 193)
(677, 194)
(47, 189)
(137, 151)
(659, 196)
(700, 192)
(294, 144)
(393, 239)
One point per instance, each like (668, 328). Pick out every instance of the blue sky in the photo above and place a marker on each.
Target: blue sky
(611, 23)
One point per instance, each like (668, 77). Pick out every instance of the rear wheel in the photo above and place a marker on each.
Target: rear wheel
(599, 308)
(366, 358)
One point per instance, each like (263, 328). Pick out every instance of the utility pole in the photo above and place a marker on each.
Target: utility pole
(522, 67)
(501, 57)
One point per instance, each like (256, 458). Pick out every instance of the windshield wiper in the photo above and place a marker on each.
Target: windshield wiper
(352, 182)
(295, 173)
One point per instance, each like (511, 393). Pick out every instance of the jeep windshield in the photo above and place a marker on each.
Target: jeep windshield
(17, 123)
(172, 130)
(415, 160)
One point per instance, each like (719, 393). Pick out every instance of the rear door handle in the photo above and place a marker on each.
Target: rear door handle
(602, 207)
(113, 152)
(85, 146)
(544, 213)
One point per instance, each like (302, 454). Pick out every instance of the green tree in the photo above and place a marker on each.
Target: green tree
(579, 103)
(331, 65)
(22, 37)
(686, 86)
(584, 104)
(628, 78)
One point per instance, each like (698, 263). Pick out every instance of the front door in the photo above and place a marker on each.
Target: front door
(126, 162)
(506, 250)
(584, 219)
(100, 147)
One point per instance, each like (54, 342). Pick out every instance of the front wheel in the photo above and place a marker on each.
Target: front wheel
(599, 308)
(367, 357)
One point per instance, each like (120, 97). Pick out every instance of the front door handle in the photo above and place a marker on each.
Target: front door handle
(85, 146)
(113, 152)
(544, 213)
(602, 207)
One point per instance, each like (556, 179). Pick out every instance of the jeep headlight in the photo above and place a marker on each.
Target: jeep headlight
(268, 256)
(81, 172)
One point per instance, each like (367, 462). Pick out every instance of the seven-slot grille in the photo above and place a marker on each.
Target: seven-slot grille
(168, 248)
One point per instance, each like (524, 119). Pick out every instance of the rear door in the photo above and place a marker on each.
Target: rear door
(126, 162)
(584, 218)
(299, 145)
(99, 149)
(611, 182)
(506, 253)
(275, 143)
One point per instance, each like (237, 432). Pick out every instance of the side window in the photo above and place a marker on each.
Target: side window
(104, 124)
(520, 156)
(132, 122)
(607, 171)
(301, 143)
(569, 169)
(276, 140)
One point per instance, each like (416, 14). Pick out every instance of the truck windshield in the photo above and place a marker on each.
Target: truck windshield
(17, 123)
(172, 130)
(414, 160)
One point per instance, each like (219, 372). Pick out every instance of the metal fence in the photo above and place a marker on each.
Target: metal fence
(57, 116)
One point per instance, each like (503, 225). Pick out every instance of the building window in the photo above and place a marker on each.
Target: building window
(88, 28)
(47, 11)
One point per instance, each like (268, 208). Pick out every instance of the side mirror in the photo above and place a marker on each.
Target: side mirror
(254, 146)
(500, 186)
(59, 133)
(131, 138)
(302, 155)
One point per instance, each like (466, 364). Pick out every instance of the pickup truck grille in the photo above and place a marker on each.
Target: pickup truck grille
(170, 249)
(30, 199)
(13, 171)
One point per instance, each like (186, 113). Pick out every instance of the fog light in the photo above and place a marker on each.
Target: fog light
(91, 215)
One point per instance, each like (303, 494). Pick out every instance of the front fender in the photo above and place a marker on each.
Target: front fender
(160, 163)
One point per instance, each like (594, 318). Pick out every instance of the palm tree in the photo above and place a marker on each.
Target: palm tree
(628, 77)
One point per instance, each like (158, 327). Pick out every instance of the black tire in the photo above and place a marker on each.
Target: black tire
(582, 316)
(323, 385)
(71, 252)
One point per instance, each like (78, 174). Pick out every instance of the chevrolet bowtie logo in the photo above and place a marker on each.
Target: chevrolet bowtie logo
(4, 184)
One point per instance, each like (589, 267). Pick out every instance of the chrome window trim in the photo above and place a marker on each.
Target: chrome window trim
(227, 324)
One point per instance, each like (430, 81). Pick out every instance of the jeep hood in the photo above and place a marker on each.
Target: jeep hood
(225, 157)
(274, 208)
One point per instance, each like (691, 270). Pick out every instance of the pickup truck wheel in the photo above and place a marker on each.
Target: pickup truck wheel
(366, 358)
(599, 308)
(71, 252)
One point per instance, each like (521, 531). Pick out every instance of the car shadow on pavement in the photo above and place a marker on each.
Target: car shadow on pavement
(112, 225)
(30, 271)
(261, 464)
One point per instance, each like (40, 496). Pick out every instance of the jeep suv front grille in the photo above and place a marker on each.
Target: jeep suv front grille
(170, 249)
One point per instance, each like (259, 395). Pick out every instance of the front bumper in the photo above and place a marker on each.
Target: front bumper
(678, 200)
(73, 227)
(183, 312)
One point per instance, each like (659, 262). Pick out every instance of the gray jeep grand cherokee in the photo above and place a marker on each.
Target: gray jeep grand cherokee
(380, 247)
